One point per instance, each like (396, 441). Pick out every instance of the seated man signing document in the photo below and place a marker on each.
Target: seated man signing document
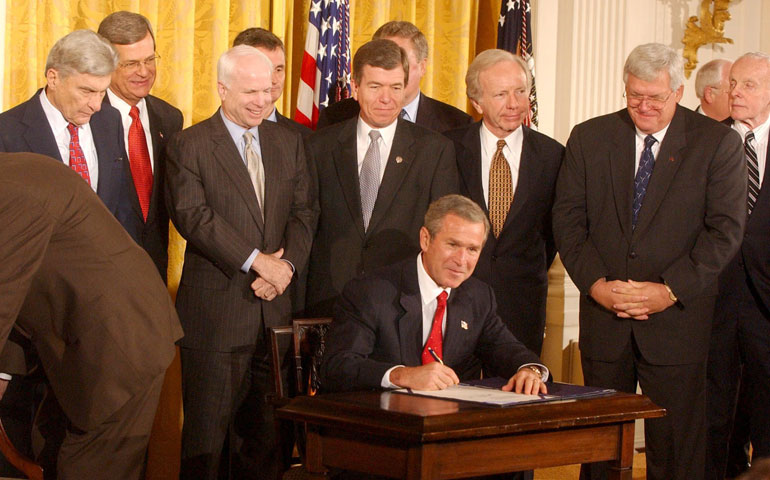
(422, 323)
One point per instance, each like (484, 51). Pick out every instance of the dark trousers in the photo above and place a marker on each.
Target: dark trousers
(229, 429)
(675, 445)
(740, 343)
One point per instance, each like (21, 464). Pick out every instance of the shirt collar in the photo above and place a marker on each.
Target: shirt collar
(387, 133)
(411, 109)
(759, 133)
(489, 139)
(659, 135)
(236, 131)
(273, 117)
(429, 290)
(54, 116)
(122, 106)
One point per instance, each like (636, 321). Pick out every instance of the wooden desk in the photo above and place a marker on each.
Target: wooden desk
(412, 437)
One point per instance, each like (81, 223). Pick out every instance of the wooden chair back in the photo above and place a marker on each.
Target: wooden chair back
(309, 347)
(26, 466)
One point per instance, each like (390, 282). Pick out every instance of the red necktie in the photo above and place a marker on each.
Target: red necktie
(435, 340)
(139, 158)
(77, 159)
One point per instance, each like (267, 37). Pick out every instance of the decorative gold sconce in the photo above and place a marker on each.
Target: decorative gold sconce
(711, 30)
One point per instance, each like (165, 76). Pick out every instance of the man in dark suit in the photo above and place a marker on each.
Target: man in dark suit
(515, 186)
(376, 175)
(78, 72)
(148, 122)
(272, 46)
(418, 108)
(645, 246)
(741, 331)
(90, 302)
(240, 193)
(66, 120)
(390, 326)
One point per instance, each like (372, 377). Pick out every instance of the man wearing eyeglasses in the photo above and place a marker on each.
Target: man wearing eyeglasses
(148, 123)
(650, 207)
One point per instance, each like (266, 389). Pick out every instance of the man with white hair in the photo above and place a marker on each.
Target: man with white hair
(650, 207)
(712, 86)
(742, 319)
(238, 190)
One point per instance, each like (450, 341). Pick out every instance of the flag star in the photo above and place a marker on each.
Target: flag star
(335, 27)
(315, 8)
(325, 103)
(511, 5)
(328, 78)
(501, 21)
(324, 26)
(321, 54)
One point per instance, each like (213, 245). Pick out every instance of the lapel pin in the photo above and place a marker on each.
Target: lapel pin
(463, 325)
(160, 134)
(399, 159)
(671, 159)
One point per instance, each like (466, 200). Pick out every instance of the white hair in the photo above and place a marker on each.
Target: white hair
(226, 63)
(647, 61)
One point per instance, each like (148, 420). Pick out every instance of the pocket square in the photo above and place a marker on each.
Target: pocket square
(463, 325)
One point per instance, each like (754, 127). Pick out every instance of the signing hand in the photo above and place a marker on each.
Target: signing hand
(431, 376)
(275, 271)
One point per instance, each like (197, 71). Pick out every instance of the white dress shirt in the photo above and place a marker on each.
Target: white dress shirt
(126, 120)
(58, 125)
(760, 142)
(384, 143)
(511, 151)
(411, 109)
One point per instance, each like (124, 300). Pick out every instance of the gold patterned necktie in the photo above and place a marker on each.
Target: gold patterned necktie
(256, 170)
(500, 189)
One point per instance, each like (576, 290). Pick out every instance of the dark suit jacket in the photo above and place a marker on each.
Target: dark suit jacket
(754, 254)
(297, 127)
(25, 128)
(89, 298)
(516, 263)
(689, 226)
(433, 114)
(165, 120)
(378, 325)
(212, 203)
(421, 168)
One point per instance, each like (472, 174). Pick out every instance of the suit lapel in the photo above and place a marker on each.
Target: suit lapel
(469, 165)
(158, 141)
(529, 173)
(622, 170)
(666, 165)
(38, 135)
(226, 153)
(400, 160)
(268, 141)
(459, 320)
(110, 161)
(410, 323)
(346, 163)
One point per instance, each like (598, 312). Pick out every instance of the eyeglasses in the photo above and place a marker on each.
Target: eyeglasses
(134, 65)
(654, 101)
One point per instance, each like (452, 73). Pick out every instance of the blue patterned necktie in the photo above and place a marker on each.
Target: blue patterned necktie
(646, 163)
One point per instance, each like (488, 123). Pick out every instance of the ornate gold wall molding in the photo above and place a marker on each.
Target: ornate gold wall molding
(711, 30)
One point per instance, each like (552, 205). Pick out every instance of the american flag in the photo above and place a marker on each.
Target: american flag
(325, 76)
(514, 33)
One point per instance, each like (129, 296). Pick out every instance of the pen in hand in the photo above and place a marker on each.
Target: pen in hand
(435, 356)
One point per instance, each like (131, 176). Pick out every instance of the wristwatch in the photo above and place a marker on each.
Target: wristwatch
(671, 295)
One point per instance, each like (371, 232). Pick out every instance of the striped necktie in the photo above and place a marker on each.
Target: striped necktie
(753, 167)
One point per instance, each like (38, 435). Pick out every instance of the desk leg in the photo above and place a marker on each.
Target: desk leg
(622, 469)
(421, 462)
(313, 455)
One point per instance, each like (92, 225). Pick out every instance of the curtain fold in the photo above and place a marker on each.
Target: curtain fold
(190, 36)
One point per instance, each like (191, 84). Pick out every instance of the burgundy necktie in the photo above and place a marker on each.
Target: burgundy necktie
(139, 158)
(77, 159)
(435, 338)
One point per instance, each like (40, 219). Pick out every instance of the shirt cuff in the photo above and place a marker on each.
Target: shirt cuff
(247, 264)
(5, 376)
(544, 372)
(293, 270)
(386, 383)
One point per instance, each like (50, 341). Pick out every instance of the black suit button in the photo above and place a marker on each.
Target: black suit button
(632, 255)
(494, 258)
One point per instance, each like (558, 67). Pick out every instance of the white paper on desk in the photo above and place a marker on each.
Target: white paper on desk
(468, 393)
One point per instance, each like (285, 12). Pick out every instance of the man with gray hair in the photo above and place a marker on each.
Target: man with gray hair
(417, 107)
(67, 121)
(712, 86)
(650, 206)
(511, 171)
(239, 192)
(741, 335)
(148, 123)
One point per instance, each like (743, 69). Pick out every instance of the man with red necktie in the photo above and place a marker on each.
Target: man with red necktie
(423, 323)
(148, 123)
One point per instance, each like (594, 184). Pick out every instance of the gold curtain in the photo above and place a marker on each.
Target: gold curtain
(190, 35)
